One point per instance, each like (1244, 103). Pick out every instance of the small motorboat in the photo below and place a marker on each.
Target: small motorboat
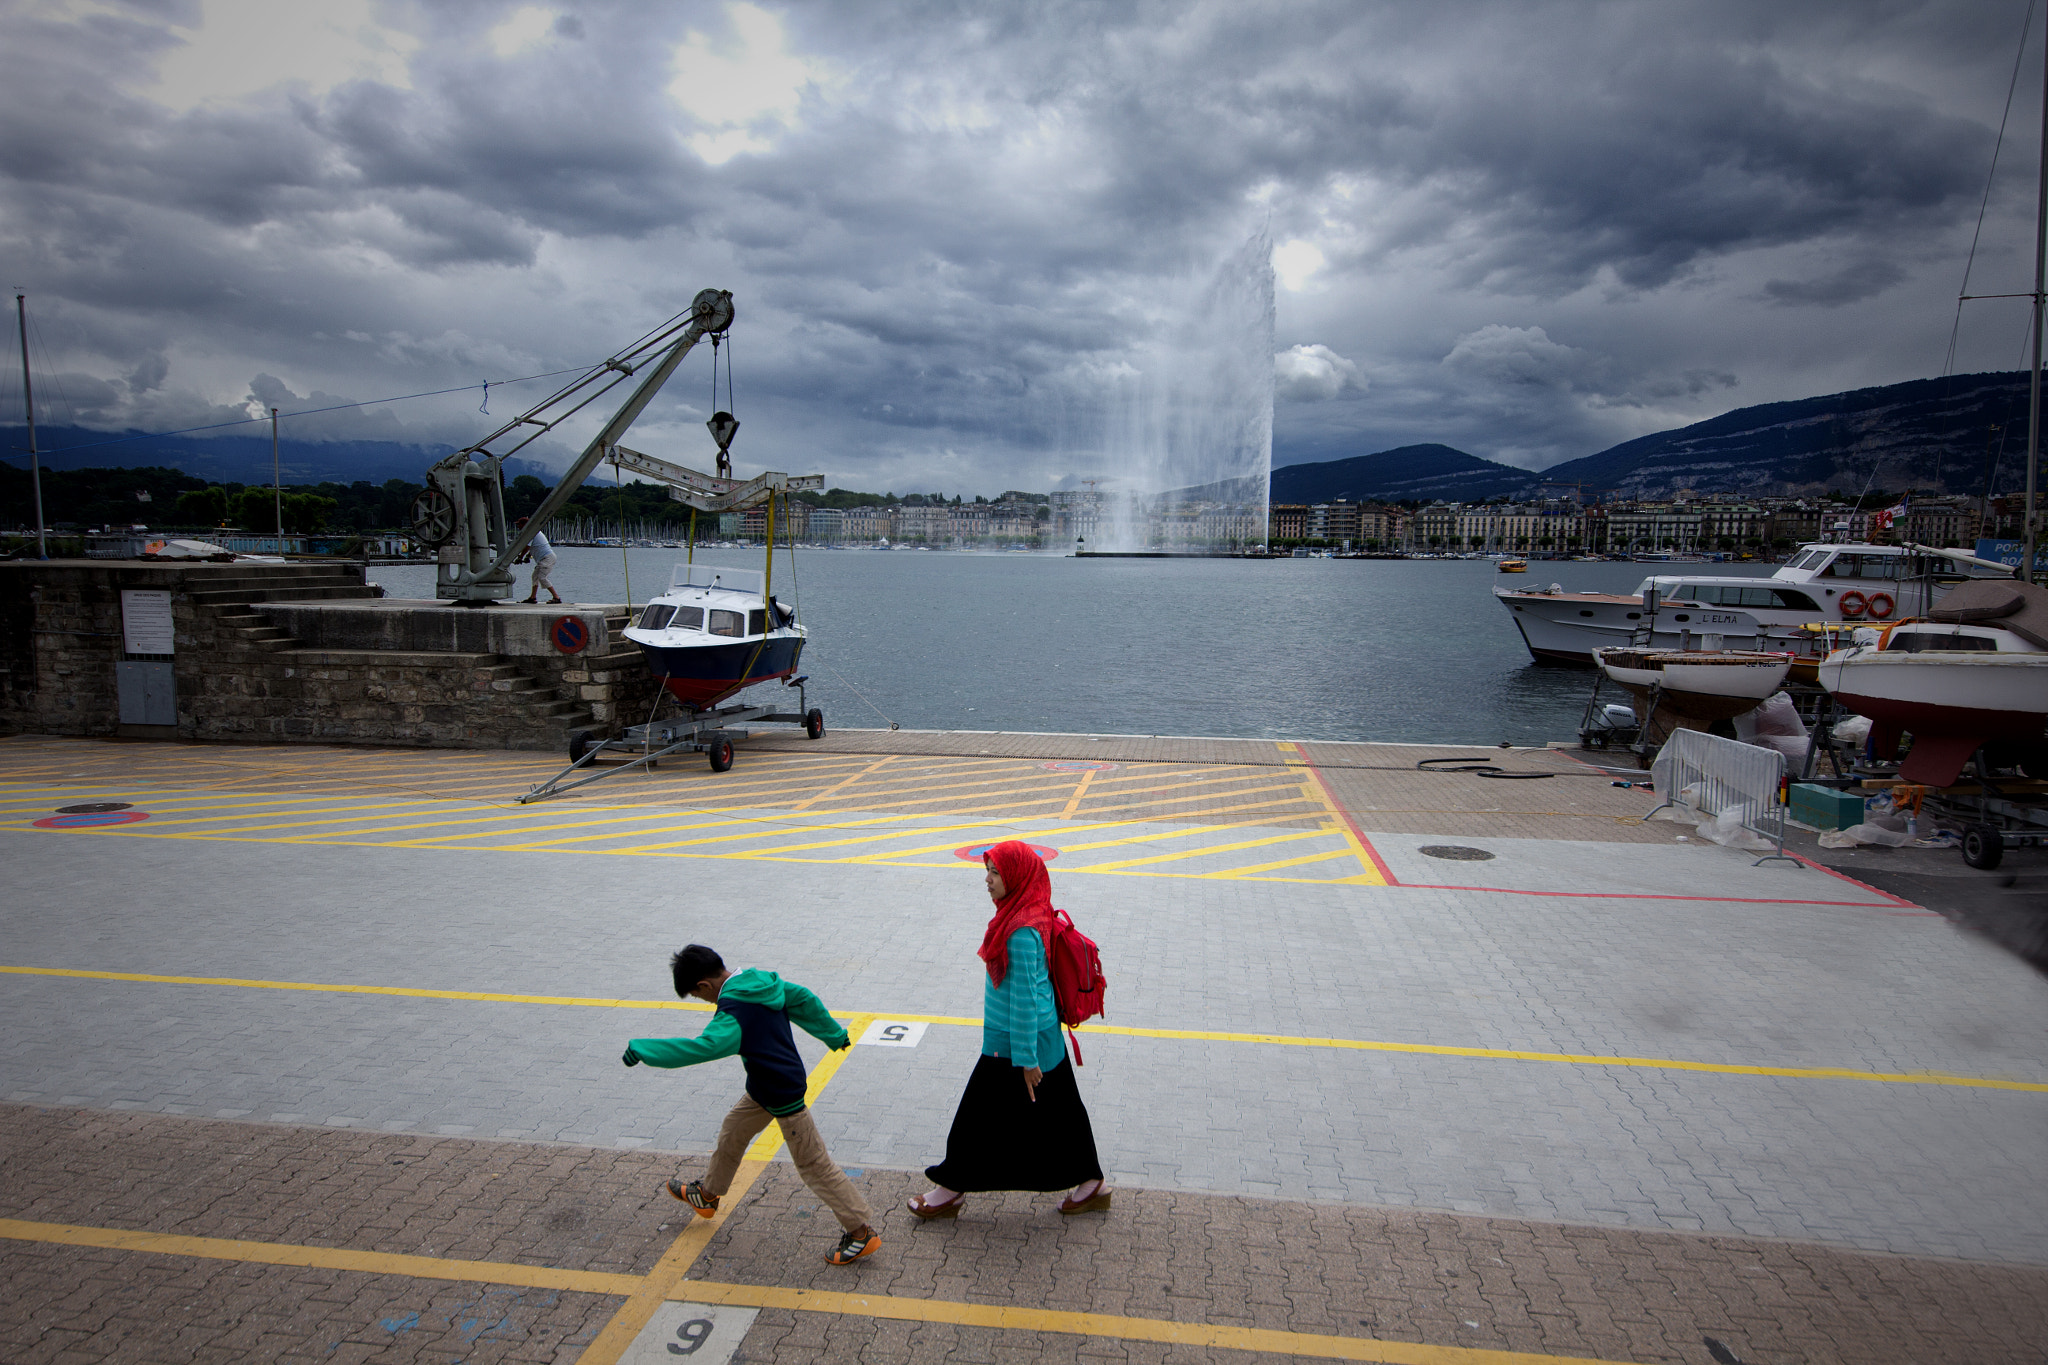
(715, 632)
(1974, 672)
(1514, 566)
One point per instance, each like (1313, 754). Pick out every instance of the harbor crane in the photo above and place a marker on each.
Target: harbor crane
(461, 513)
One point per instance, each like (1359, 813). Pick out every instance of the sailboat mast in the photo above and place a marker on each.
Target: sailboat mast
(2032, 528)
(28, 402)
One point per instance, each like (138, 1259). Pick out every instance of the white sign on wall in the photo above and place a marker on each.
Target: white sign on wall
(146, 626)
(892, 1033)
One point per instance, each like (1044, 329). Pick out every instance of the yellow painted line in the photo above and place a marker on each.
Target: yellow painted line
(819, 823)
(668, 1272)
(1080, 790)
(1313, 1345)
(1182, 855)
(1371, 874)
(847, 781)
(1240, 873)
(329, 988)
(1302, 798)
(326, 1258)
(769, 1143)
(831, 1063)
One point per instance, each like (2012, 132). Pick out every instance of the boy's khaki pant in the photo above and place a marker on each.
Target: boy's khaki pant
(806, 1149)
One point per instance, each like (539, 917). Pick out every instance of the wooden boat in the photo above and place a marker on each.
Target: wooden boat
(1514, 566)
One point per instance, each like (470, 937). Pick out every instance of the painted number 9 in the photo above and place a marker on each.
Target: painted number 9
(894, 1032)
(692, 1334)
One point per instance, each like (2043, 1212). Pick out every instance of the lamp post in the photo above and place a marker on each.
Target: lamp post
(29, 404)
(277, 480)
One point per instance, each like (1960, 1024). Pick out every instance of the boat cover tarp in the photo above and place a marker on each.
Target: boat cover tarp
(2021, 608)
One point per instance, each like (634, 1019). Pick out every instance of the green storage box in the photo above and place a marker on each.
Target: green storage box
(1825, 807)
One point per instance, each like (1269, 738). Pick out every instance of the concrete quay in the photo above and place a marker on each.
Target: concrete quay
(313, 1055)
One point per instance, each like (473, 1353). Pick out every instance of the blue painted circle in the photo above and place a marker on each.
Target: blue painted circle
(973, 853)
(91, 819)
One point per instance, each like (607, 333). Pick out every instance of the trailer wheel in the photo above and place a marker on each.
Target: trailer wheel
(814, 723)
(580, 743)
(720, 754)
(1983, 847)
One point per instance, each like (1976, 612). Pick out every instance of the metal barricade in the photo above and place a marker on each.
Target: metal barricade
(1708, 774)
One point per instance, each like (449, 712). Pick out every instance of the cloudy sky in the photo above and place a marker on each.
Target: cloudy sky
(958, 235)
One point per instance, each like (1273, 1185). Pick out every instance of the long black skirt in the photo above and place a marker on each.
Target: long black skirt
(1002, 1140)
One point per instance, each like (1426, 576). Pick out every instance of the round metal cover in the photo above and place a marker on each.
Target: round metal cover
(1456, 853)
(93, 807)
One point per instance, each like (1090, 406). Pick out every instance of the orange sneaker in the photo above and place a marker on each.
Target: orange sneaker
(853, 1246)
(696, 1196)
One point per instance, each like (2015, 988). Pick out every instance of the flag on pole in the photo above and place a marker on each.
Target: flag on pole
(1882, 521)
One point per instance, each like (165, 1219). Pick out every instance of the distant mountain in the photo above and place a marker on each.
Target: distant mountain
(1931, 434)
(235, 459)
(1424, 472)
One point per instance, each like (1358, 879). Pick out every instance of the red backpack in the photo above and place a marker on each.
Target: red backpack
(1075, 964)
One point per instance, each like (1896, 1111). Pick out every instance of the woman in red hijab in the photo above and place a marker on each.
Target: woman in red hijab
(1021, 1125)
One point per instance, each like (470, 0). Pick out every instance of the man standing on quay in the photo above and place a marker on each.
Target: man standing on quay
(543, 564)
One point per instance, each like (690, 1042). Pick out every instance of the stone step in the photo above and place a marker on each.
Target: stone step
(317, 591)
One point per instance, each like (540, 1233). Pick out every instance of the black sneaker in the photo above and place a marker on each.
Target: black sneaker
(853, 1246)
(696, 1196)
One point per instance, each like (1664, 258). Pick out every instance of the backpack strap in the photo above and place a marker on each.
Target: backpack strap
(1075, 1040)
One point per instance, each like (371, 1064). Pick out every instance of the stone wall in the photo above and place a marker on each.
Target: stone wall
(241, 676)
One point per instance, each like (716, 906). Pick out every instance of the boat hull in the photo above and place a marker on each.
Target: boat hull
(701, 676)
(1951, 704)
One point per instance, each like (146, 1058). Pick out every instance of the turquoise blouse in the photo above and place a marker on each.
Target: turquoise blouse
(1019, 1020)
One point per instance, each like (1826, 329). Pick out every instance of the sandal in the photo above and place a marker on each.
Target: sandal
(927, 1212)
(1097, 1202)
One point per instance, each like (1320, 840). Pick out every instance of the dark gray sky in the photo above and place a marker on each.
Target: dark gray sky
(1527, 229)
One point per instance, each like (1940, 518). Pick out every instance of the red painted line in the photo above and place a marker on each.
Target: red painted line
(1330, 798)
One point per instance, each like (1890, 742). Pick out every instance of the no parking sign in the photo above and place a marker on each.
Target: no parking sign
(570, 635)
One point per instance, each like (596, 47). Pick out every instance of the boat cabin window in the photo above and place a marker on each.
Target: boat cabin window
(1808, 560)
(757, 623)
(656, 616)
(725, 623)
(688, 618)
(1926, 642)
(1731, 595)
(1864, 566)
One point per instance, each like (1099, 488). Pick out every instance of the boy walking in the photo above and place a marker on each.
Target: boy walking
(755, 1010)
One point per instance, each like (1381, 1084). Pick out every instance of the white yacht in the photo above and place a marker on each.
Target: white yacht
(1822, 583)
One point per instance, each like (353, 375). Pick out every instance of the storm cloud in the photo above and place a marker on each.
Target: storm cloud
(954, 232)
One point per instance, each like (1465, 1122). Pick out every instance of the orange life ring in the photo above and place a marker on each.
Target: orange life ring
(1853, 603)
(1881, 606)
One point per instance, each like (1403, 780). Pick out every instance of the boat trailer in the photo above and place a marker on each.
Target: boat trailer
(709, 732)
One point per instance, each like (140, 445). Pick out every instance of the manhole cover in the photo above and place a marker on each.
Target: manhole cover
(1456, 853)
(93, 807)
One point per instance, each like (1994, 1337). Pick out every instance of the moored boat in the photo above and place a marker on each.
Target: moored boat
(1695, 687)
(1824, 582)
(1974, 672)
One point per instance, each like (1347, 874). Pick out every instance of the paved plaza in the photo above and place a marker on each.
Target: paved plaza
(314, 1055)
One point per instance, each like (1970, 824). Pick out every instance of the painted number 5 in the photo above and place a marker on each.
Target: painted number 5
(692, 1334)
(894, 1032)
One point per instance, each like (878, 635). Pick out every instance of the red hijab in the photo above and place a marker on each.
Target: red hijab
(1027, 906)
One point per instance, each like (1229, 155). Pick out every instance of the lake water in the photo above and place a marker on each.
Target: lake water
(1390, 650)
